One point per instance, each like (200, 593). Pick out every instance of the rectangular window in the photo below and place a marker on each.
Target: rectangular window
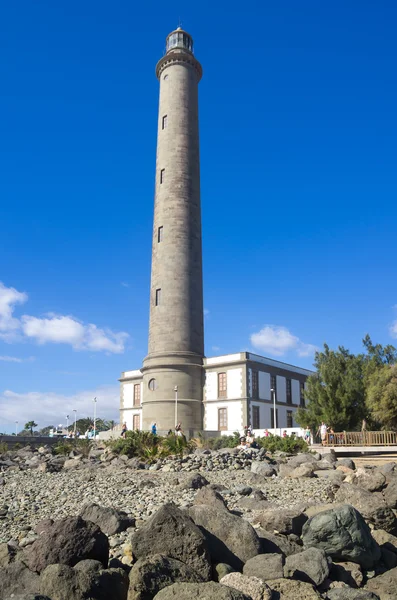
(222, 388)
(158, 297)
(164, 121)
(160, 234)
(289, 391)
(222, 419)
(255, 417)
(273, 382)
(136, 422)
(302, 393)
(162, 175)
(272, 418)
(255, 384)
(289, 419)
(137, 394)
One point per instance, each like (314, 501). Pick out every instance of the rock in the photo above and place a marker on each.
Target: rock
(150, 575)
(350, 594)
(194, 481)
(253, 504)
(390, 494)
(389, 559)
(282, 520)
(43, 525)
(305, 470)
(330, 457)
(7, 554)
(288, 589)
(343, 534)
(388, 470)
(221, 570)
(110, 521)
(243, 490)
(67, 542)
(370, 479)
(208, 495)
(384, 585)
(27, 597)
(311, 566)
(277, 544)
(230, 539)
(371, 505)
(172, 533)
(324, 465)
(265, 566)
(16, 578)
(252, 586)
(262, 468)
(86, 580)
(300, 459)
(71, 464)
(346, 462)
(312, 511)
(200, 591)
(335, 477)
(348, 572)
(385, 539)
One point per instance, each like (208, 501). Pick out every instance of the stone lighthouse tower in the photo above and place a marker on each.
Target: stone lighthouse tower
(173, 368)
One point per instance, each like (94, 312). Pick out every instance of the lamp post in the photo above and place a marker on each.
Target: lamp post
(75, 421)
(176, 405)
(67, 423)
(16, 427)
(95, 401)
(274, 410)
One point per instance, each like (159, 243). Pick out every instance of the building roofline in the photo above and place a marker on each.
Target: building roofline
(236, 357)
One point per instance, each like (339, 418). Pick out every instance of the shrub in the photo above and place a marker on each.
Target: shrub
(3, 447)
(134, 443)
(63, 447)
(83, 445)
(291, 445)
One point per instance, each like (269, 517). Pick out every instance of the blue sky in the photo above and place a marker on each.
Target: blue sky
(298, 166)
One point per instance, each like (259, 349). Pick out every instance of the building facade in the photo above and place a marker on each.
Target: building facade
(238, 390)
(176, 382)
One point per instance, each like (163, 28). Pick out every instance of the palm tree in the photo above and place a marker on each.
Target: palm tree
(29, 425)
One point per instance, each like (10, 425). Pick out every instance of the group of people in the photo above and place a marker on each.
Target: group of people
(177, 431)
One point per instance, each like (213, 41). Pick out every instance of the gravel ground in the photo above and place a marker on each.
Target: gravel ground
(27, 497)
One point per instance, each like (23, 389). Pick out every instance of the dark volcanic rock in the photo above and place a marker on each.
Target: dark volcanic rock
(150, 575)
(68, 541)
(86, 580)
(265, 566)
(282, 520)
(231, 540)
(343, 534)
(172, 533)
(200, 591)
(371, 505)
(110, 521)
(311, 565)
(17, 579)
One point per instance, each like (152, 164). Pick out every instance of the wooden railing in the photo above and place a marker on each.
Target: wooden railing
(362, 438)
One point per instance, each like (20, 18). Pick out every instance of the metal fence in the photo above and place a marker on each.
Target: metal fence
(362, 438)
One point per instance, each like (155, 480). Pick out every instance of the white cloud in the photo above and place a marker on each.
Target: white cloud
(50, 408)
(56, 329)
(125, 284)
(215, 348)
(393, 330)
(9, 326)
(11, 359)
(278, 340)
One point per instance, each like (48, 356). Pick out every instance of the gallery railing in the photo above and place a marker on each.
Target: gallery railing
(362, 438)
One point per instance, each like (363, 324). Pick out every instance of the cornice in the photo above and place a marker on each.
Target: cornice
(176, 57)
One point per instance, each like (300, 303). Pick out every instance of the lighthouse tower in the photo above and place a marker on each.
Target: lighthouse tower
(173, 369)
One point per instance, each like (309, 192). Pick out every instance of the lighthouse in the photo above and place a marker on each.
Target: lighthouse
(173, 369)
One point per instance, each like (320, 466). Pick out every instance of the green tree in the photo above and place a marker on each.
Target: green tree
(382, 396)
(335, 394)
(83, 424)
(29, 425)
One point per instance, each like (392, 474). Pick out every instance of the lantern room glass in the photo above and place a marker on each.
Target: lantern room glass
(179, 39)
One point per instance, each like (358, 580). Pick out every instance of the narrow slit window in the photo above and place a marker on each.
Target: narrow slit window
(162, 175)
(164, 121)
(160, 234)
(158, 296)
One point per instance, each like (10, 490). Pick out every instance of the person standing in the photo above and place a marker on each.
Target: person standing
(123, 430)
(323, 432)
(154, 429)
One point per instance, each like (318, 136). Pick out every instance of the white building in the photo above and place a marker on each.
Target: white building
(237, 392)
